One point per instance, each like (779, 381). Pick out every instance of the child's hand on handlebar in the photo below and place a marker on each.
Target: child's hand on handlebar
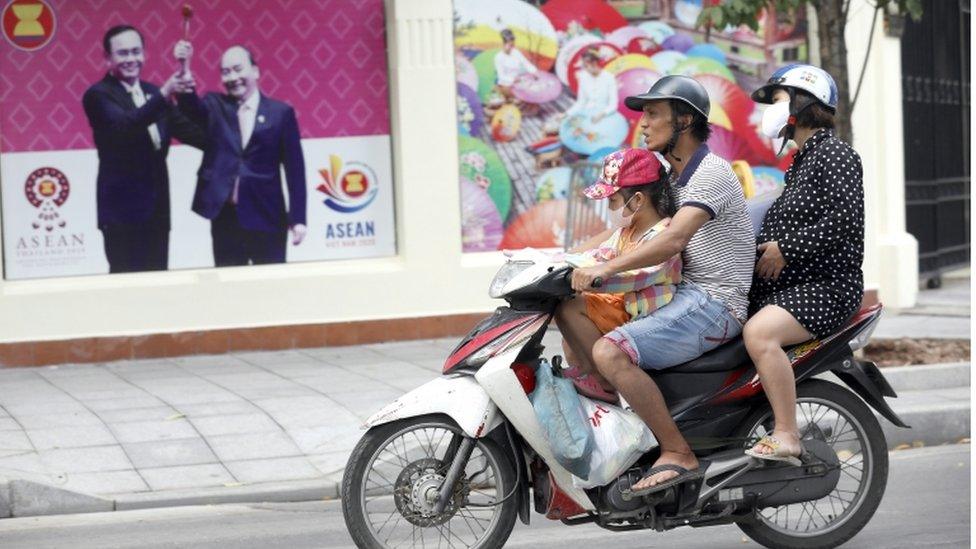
(583, 278)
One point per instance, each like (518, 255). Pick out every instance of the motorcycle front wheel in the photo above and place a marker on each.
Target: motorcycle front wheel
(394, 474)
(834, 415)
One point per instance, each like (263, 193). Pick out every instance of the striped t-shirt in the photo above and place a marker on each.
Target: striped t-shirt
(720, 257)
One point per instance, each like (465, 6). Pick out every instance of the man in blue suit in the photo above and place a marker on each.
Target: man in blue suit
(250, 138)
(133, 122)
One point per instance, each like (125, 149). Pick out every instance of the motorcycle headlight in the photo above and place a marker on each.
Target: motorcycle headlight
(508, 271)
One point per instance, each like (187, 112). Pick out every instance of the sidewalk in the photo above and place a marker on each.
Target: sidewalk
(279, 426)
(940, 313)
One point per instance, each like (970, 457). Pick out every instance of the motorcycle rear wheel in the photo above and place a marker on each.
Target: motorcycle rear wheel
(396, 467)
(846, 422)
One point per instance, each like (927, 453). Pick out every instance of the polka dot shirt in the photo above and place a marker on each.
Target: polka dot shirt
(818, 222)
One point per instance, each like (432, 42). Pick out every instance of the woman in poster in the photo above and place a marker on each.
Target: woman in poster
(597, 92)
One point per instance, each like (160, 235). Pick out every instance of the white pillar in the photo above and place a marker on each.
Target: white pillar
(891, 253)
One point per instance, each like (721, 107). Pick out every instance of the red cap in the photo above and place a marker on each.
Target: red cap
(625, 168)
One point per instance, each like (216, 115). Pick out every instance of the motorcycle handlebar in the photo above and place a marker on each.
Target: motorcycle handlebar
(597, 282)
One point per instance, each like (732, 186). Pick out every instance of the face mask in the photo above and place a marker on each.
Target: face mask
(619, 219)
(774, 119)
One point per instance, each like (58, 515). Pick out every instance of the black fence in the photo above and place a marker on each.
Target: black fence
(935, 99)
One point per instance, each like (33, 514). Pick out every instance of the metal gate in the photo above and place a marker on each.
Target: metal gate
(935, 99)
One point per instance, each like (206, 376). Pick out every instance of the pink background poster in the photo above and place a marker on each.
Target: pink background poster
(326, 58)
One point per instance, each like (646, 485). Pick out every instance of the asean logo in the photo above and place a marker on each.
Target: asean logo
(47, 189)
(28, 24)
(348, 189)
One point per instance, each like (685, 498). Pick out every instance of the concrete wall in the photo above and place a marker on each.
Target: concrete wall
(429, 275)
(891, 253)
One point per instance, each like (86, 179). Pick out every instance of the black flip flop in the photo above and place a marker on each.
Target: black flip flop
(684, 475)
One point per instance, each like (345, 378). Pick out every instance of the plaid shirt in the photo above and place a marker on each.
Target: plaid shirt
(645, 290)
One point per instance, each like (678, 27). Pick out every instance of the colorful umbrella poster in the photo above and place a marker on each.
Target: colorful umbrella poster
(687, 11)
(629, 61)
(544, 226)
(731, 97)
(482, 165)
(622, 36)
(644, 46)
(678, 42)
(479, 24)
(581, 135)
(718, 116)
(633, 82)
(585, 14)
(470, 112)
(484, 65)
(599, 155)
(710, 51)
(506, 123)
(728, 145)
(667, 60)
(694, 66)
(538, 88)
(465, 72)
(553, 184)
(659, 31)
(568, 50)
(606, 51)
(481, 225)
(767, 179)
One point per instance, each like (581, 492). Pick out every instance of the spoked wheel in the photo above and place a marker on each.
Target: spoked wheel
(393, 479)
(834, 415)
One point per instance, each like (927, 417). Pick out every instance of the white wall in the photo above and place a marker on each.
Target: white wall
(891, 254)
(429, 275)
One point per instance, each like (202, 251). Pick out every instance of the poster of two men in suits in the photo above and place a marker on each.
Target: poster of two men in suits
(213, 143)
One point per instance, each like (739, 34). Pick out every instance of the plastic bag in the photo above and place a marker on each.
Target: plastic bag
(620, 437)
(558, 407)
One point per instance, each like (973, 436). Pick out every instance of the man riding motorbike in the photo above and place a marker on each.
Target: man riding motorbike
(712, 231)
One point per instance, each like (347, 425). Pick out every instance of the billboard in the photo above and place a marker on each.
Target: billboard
(269, 143)
(532, 121)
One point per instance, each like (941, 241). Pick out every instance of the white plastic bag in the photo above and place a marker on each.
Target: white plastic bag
(620, 437)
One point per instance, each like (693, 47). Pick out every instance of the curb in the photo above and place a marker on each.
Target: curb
(933, 422)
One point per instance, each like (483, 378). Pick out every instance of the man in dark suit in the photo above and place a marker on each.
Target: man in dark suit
(250, 138)
(133, 122)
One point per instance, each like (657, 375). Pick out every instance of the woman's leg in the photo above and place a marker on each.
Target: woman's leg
(765, 335)
(579, 334)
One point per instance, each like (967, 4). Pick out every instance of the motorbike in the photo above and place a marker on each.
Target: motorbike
(458, 460)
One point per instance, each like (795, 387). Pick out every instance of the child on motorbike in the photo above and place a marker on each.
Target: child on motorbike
(635, 183)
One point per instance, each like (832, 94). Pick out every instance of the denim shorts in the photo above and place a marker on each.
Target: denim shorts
(692, 324)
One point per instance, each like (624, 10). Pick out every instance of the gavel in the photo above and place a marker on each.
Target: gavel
(187, 13)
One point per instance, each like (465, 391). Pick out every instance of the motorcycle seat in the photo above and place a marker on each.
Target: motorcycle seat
(725, 357)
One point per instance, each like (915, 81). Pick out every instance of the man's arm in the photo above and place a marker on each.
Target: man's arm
(192, 108)
(294, 162)
(193, 132)
(104, 112)
(670, 242)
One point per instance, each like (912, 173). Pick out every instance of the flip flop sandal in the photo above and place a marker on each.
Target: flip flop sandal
(587, 386)
(684, 475)
(778, 452)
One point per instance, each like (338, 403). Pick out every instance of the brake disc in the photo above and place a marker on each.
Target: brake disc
(416, 491)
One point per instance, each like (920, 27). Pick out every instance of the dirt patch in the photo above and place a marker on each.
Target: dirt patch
(905, 351)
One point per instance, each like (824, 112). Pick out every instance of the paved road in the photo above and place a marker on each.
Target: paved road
(927, 504)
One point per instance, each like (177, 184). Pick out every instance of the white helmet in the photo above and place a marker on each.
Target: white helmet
(808, 78)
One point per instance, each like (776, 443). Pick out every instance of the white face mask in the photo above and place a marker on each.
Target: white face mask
(774, 119)
(618, 218)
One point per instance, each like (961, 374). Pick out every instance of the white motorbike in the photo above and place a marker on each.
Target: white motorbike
(457, 460)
